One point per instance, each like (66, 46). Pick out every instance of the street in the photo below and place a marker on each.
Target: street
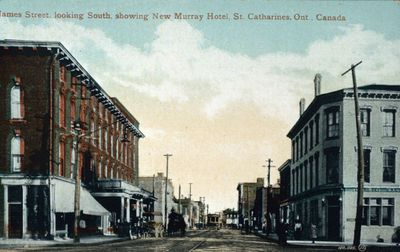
(205, 240)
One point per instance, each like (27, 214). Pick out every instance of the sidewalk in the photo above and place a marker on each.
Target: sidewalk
(86, 240)
(326, 244)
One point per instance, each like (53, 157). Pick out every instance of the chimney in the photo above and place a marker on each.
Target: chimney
(302, 105)
(317, 84)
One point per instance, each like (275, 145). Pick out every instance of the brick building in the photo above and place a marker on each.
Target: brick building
(323, 171)
(55, 119)
(246, 198)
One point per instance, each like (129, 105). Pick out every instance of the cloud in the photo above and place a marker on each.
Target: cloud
(180, 65)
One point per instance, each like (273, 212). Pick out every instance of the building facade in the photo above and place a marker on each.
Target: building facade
(156, 185)
(323, 171)
(246, 198)
(284, 194)
(58, 126)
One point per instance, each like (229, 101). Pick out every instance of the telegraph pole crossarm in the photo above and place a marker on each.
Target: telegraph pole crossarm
(360, 152)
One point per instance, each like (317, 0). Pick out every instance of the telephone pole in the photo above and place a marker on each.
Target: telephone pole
(179, 201)
(360, 152)
(166, 189)
(190, 205)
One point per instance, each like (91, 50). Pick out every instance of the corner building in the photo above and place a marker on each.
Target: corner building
(55, 119)
(323, 171)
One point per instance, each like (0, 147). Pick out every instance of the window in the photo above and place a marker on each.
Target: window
(297, 148)
(301, 179)
(297, 180)
(367, 157)
(311, 134)
(310, 161)
(316, 164)
(17, 105)
(332, 165)
(305, 140)
(73, 159)
(365, 122)
(100, 169)
(17, 153)
(332, 119)
(305, 176)
(388, 123)
(316, 129)
(378, 212)
(301, 144)
(293, 149)
(62, 110)
(293, 182)
(61, 154)
(389, 165)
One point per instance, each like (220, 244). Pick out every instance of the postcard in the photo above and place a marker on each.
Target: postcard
(125, 118)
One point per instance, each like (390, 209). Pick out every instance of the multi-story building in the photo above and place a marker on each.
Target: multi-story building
(323, 179)
(246, 198)
(230, 218)
(266, 207)
(57, 123)
(284, 194)
(156, 185)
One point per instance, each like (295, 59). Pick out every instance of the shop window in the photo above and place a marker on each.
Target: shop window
(378, 212)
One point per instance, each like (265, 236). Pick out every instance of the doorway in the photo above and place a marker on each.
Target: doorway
(333, 218)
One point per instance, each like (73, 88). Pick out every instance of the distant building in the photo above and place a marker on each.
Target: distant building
(55, 120)
(266, 208)
(246, 198)
(284, 173)
(230, 218)
(156, 185)
(323, 171)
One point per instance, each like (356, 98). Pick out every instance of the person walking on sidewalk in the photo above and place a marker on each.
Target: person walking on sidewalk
(297, 228)
(282, 231)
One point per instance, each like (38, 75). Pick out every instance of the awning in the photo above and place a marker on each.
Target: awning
(64, 199)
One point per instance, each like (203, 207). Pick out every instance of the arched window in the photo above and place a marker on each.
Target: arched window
(17, 105)
(17, 153)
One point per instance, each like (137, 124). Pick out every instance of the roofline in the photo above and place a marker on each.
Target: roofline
(285, 164)
(338, 95)
(96, 90)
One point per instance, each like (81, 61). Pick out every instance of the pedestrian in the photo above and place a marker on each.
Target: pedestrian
(313, 232)
(283, 232)
(297, 228)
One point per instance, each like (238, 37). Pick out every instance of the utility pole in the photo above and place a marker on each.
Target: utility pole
(179, 202)
(190, 205)
(267, 211)
(77, 196)
(166, 189)
(360, 152)
(269, 172)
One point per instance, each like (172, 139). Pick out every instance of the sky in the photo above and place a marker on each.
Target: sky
(220, 95)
